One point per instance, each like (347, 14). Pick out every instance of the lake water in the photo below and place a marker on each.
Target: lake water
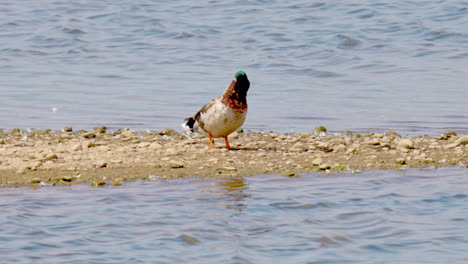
(417, 216)
(347, 65)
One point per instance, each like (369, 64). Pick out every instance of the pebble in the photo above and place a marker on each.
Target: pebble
(324, 166)
(34, 166)
(21, 170)
(51, 157)
(98, 183)
(289, 174)
(404, 145)
(35, 180)
(67, 178)
(171, 152)
(155, 145)
(317, 162)
(88, 135)
(144, 144)
(340, 147)
(392, 134)
(320, 130)
(100, 129)
(324, 147)
(100, 164)
(298, 147)
(227, 168)
(400, 161)
(87, 144)
(374, 141)
(127, 134)
(176, 164)
(68, 129)
(458, 142)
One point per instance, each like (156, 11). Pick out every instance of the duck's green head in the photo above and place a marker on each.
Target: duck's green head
(243, 83)
(240, 73)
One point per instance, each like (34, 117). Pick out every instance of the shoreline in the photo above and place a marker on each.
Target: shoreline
(100, 158)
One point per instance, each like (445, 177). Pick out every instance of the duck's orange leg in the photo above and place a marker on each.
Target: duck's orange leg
(211, 141)
(227, 142)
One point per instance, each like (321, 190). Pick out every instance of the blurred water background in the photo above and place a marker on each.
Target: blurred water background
(347, 65)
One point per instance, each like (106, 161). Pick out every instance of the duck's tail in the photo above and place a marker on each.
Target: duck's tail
(188, 126)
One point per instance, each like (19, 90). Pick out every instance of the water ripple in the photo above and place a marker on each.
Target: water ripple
(130, 54)
(362, 218)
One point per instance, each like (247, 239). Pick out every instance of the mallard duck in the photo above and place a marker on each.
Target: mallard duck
(224, 114)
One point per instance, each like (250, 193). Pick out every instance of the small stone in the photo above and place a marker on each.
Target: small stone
(21, 170)
(34, 166)
(374, 141)
(451, 146)
(98, 183)
(2, 141)
(352, 150)
(392, 134)
(450, 133)
(317, 162)
(101, 143)
(289, 174)
(380, 136)
(385, 143)
(324, 166)
(100, 129)
(155, 145)
(87, 144)
(67, 178)
(168, 132)
(88, 135)
(35, 181)
(340, 147)
(325, 147)
(462, 141)
(320, 130)
(176, 164)
(144, 144)
(336, 141)
(306, 135)
(228, 168)
(298, 147)
(100, 164)
(171, 152)
(404, 145)
(51, 156)
(400, 161)
(68, 129)
(127, 134)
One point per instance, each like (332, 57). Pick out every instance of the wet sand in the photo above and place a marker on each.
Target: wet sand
(100, 158)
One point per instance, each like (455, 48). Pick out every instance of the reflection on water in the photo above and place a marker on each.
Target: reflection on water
(415, 216)
(232, 191)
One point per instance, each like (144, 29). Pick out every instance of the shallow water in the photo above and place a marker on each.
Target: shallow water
(347, 65)
(414, 216)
